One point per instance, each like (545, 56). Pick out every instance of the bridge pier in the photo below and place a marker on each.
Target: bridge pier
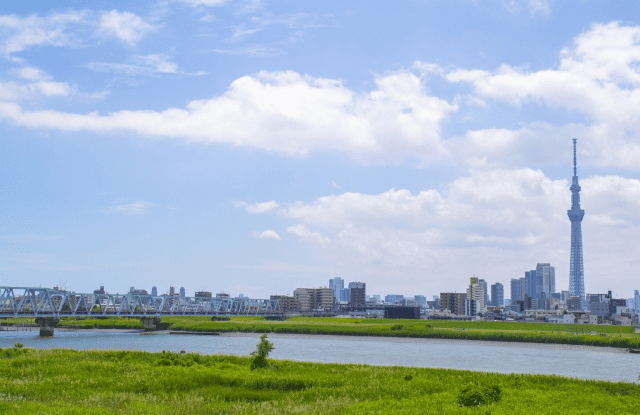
(150, 322)
(47, 325)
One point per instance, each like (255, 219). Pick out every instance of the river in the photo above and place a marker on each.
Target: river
(583, 362)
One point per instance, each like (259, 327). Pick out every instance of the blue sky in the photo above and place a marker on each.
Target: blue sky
(254, 146)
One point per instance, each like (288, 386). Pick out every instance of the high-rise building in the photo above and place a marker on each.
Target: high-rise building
(576, 265)
(516, 289)
(636, 295)
(183, 293)
(475, 298)
(574, 303)
(453, 302)
(393, 298)
(615, 304)
(357, 294)
(420, 299)
(314, 298)
(337, 285)
(532, 284)
(154, 291)
(483, 283)
(497, 294)
(546, 278)
(287, 303)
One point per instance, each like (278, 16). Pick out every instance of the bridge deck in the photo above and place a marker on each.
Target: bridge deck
(46, 302)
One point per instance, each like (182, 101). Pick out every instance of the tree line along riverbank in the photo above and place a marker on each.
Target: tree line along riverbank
(587, 335)
(62, 381)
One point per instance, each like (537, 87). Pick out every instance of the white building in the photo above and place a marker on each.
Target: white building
(476, 294)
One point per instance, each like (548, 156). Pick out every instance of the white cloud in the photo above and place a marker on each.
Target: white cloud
(251, 6)
(40, 85)
(304, 233)
(598, 76)
(125, 26)
(149, 65)
(206, 3)
(263, 207)
(287, 113)
(493, 223)
(36, 31)
(533, 6)
(135, 208)
(33, 74)
(252, 50)
(268, 234)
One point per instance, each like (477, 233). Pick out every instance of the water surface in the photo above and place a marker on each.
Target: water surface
(584, 362)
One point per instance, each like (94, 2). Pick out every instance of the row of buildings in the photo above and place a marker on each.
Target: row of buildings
(534, 297)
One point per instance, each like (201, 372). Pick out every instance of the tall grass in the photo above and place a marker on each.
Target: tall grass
(63, 381)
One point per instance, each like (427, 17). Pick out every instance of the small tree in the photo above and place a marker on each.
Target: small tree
(260, 354)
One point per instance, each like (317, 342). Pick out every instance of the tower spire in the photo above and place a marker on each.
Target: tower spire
(576, 274)
(575, 169)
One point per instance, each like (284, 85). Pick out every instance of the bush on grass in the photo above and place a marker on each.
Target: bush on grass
(474, 394)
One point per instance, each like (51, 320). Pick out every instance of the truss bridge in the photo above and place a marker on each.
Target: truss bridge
(49, 305)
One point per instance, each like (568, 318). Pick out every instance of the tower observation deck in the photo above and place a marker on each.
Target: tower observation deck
(576, 273)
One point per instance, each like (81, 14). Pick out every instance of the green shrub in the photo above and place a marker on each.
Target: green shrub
(397, 327)
(263, 348)
(474, 394)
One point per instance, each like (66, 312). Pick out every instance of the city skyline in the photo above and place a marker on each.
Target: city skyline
(257, 147)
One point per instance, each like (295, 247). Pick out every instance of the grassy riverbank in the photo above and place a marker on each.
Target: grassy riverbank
(105, 382)
(590, 335)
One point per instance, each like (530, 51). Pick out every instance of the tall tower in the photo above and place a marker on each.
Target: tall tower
(576, 273)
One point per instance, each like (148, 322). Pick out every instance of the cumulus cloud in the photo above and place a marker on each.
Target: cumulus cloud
(15, 91)
(35, 30)
(471, 206)
(598, 76)
(597, 80)
(492, 223)
(135, 208)
(126, 26)
(268, 234)
(304, 233)
(39, 83)
(286, 112)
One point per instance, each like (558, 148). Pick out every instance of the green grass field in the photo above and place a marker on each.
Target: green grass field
(591, 335)
(62, 381)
